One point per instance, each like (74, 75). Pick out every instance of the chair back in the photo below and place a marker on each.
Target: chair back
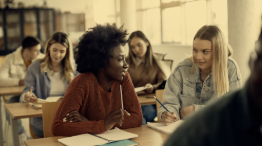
(32, 132)
(159, 96)
(49, 111)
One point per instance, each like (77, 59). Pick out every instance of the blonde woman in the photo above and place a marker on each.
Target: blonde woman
(209, 73)
(51, 75)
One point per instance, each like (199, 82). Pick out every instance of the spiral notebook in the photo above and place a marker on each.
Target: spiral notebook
(165, 129)
(97, 139)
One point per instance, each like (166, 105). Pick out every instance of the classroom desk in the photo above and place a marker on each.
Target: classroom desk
(19, 111)
(146, 137)
(143, 100)
(7, 91)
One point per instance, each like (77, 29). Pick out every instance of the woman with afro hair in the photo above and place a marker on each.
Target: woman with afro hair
(92, 103)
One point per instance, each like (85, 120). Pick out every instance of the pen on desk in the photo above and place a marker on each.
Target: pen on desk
(161, 104)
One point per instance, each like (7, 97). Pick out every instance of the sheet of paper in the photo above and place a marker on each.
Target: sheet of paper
(82, 140)
(117, 134)
(138, 89)
(163, 128)
(53, 98)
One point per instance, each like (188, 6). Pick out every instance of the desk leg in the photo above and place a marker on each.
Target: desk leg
(14, 124)
(1, 124)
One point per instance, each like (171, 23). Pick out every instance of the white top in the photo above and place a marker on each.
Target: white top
(58, 84)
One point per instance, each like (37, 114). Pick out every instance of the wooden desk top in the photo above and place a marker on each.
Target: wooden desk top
(22, 110)
(146, 137)
(11, 90)
(143, 100)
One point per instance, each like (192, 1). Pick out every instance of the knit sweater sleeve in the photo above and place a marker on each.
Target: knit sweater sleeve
(72, 101)
(131, 105)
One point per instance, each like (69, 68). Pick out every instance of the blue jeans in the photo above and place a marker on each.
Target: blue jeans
(38, 132)
(149, 113)
(15, 100)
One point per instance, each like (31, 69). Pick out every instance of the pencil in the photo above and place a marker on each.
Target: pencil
(121, 102)
(161, 104)
(121, 98)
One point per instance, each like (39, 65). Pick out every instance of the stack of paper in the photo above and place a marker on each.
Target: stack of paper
(165, 129)
(98, 139)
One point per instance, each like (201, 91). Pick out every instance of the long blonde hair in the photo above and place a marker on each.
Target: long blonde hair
(221, 52)
(68, 62)
(149, 52)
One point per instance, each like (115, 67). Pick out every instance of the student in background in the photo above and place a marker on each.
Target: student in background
(92, 103)
(13, 71)
(234, 119)
(208, 74)
(51, 75)
(146, 69)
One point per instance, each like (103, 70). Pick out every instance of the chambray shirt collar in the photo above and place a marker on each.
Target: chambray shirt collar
(195, 78)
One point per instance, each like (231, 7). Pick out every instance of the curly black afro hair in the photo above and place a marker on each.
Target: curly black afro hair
(95, 47)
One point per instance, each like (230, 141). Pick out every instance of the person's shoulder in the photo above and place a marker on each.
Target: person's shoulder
(231, 63)
(183, 66)
(10, 57)
(40, 55)
(87, 77)
(208, 120)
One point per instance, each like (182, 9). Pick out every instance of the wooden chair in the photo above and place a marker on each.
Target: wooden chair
(49, 110)
(32, 133)
(159, 95)
(2, 58)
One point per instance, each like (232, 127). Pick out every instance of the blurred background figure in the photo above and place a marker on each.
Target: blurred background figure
(146, 69)
(13, 71)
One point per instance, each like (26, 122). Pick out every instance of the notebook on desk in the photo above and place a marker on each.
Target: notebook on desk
(39, 102)
(165, 129)
(97, 139)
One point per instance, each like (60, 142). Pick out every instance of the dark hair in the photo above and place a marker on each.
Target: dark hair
(95, 47)
(149, 51)
(29, 42)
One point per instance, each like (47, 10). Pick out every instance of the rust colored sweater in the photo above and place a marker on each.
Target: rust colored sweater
(85, 95)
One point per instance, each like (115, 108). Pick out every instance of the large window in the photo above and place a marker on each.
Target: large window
(170, 21)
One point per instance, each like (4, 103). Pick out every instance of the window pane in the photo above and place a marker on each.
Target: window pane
(151, 25)
(150, 3)
(167, 1)
(195, 18)
(171, 25)
(219, 8)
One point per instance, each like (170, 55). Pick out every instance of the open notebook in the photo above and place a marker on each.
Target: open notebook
(39, 102)
(98, 139)
(165, 129)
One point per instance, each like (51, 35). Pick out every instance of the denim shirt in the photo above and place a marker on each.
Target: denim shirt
(41, 87)
(183, 88)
